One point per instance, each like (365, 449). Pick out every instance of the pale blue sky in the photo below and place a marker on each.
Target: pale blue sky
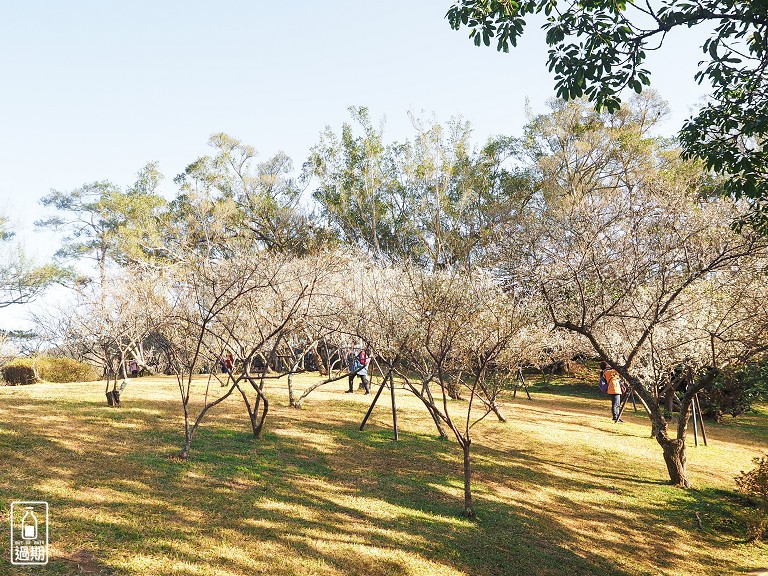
(92, 90)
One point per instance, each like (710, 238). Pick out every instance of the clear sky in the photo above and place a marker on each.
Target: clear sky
(93, 90)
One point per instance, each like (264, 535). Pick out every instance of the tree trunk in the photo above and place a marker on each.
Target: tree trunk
(674, 458)
(184, 454)
(190, 432)
(247, 403)
(674, 450)
(291, 396)
(257, 427)
(187, 434)
(113, 396)
(454, 387)
(496, 410)
(425, 391)
(319, 362)
(257, 423)
(469, 510)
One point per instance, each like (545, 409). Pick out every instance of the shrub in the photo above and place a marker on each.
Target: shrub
(49, 369)
(19, 371)
(65, 370)
(734, 392)
(755, 484)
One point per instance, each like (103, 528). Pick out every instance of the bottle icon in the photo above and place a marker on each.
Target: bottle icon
(29, 525)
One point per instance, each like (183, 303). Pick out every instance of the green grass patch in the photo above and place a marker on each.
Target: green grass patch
(558, 489)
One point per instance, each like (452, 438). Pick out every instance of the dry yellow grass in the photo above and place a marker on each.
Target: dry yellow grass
(559, 488)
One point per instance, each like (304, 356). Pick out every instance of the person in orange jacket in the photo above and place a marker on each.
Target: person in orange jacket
(614, 388)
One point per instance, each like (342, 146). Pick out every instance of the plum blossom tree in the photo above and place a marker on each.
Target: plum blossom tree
(461, 327)
(622, 251)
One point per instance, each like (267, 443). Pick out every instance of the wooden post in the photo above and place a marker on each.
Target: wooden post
(517, 383)
(394, 409)
(375, 398)
(520, 381)
(370, 408)
(695, 423)
(626, 396)
(701, 418)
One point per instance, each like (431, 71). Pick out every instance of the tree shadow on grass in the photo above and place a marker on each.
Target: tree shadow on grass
(310, 497)
(363, 505)
(709, 512)
(661, 531)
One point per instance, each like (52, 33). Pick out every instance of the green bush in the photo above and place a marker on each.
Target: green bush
(19, 372)
(755, 484)
(734, 391)
(48, 369)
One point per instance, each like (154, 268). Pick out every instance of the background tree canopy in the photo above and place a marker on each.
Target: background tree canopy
(22, 281)
(454, 263)
(597, 49)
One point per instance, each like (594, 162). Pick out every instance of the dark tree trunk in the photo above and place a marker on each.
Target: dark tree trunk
(674, 458)
(291, 395)
(113, 398)
(496, 410)
(673, 449)
(247, 403)
(184, 454)
(259, 425)
(319, 363)
(257, 421)
(469, 509)
(187, 433)
(454, 387)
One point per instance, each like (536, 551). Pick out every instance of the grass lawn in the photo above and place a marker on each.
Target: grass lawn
(559, 489)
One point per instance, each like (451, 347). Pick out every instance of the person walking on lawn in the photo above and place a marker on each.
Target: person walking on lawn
(613, 380)
(358, 361)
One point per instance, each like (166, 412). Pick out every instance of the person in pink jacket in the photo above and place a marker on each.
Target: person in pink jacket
(614, 388)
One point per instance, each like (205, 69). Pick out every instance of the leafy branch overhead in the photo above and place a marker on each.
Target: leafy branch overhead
(21, 280)
(598, 49)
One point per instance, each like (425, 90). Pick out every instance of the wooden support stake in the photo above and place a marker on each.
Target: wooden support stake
(388, 375)
(695, 423)
(520, 381)
(394, 409)
(624, 400)
(701, 418)
(370, 408)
